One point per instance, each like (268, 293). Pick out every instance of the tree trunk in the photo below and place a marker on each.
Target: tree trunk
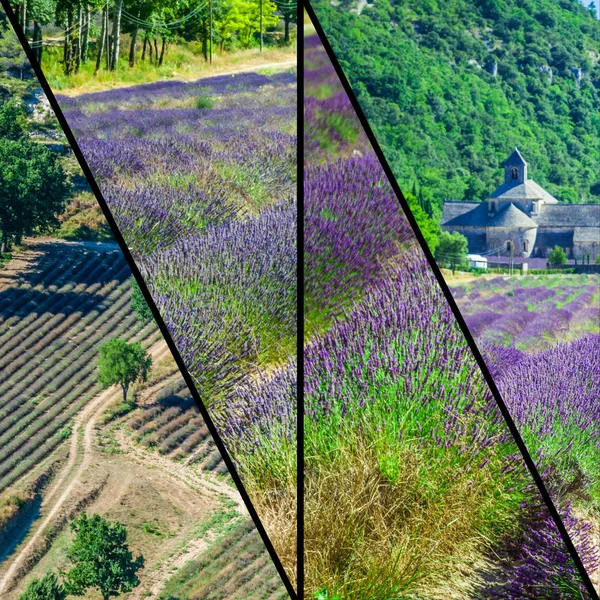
(155, 52)
(162, 52)
(150, 51)
(204, 40)
(77, 41)
(85, 34)
(23, 16)
(125, 388)
(145, 45)
(116, 33)
(286, 21)
(102, 36)
(37, 39)
(67, 47)
(132, 47)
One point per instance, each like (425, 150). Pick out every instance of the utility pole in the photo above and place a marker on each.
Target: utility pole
(211, 29)
(261, 29)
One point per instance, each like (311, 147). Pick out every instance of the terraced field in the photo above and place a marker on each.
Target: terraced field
(216, 576)
(68, 445)
(52, 320)
(172, 424)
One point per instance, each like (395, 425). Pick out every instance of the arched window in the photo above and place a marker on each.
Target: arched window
(514, 173)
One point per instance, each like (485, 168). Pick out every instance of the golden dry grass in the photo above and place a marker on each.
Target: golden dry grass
(368, 537)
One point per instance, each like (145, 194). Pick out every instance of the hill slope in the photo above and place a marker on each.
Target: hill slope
(450, 87)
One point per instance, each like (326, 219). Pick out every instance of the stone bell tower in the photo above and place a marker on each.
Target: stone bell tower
(515, 169)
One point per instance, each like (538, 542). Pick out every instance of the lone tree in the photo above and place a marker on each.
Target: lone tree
(46, 588)
(452, 249)
(33, 184)
(102, 558)
(558, 256)
(122, 363)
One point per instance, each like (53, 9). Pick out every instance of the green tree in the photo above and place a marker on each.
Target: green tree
(597, 262)
(102, 558)
(558, 256)
(123, 364)
(139, 304)
(452, 249)
(34, 187)
(11, 52)
(46, 588)
(429, 228)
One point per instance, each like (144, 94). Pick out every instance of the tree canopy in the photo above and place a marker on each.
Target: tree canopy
(102, 558)
(33, 185)
(451, 250)
(121, 363)
(558, 256)
(46, 588)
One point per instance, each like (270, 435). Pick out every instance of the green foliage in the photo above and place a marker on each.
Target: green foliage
(424, 75)
(452, 249)
(123, 364)
(204, 102)
(139, 304)
(557, 257)
(429, 228)
(12, 56)
(597, 262)
(34, 186)
(46, 588)
(102, 558)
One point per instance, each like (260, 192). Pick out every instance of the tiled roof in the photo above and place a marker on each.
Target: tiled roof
(569, 215)
(511, 216)
(529, 190)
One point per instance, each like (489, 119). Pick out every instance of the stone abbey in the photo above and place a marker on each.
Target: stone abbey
(525, 215)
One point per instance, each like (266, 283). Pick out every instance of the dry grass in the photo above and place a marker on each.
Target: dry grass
(368, 537)
(277, 512)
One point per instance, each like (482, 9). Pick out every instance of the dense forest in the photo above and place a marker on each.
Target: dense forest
(451, 86)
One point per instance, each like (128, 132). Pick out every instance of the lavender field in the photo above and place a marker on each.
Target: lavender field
(540, 335)
(201, 179)
(530, 313)
(414, 487)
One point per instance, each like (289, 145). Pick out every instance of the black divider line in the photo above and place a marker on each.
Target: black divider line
(457, 314)
(300, 319)
(140, 280)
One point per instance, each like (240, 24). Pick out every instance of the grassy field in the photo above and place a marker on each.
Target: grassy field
(183, 62)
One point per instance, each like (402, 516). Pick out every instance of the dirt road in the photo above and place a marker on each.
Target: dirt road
(79, 459)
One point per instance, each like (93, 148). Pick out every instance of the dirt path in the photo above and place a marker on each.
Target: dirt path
(246, 68)
(181, 471)
(83, 426)
(155, 580)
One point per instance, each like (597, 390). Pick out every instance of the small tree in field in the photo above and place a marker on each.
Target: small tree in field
(122, 363)
(102, 558)
(452, 249)
(46, 588)
(558, 256)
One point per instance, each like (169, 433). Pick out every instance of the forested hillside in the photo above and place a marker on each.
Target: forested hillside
(451, 86)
